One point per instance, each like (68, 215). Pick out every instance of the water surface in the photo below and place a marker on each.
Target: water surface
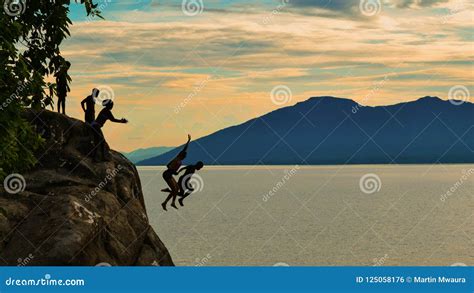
(319, 216)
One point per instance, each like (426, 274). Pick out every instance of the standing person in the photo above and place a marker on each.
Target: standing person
(172, 169)
(62, 80)
(99, 139)
(88, 106)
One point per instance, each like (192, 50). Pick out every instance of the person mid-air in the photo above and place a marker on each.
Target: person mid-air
(172, 169)
(185, 188)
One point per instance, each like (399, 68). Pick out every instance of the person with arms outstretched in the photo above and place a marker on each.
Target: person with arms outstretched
(62, 89)
(172, 169)
(99, 139)
(88, 106)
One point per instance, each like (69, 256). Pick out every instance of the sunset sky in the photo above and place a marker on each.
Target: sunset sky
(175, 70)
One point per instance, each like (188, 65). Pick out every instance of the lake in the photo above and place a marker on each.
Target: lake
(367, 215)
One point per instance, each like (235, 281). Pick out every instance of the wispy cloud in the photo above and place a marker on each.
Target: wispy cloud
(228, 61)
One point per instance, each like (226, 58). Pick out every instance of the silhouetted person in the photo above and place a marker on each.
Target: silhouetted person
(88, 106)
(62, 86)
(172, 169)
(99, 139)
(185, 188)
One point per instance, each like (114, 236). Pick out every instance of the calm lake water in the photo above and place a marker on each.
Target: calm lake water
(321, 215)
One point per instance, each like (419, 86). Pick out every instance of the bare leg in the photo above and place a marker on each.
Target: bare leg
(173, 193)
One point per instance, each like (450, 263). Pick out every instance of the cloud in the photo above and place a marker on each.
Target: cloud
(227, 63)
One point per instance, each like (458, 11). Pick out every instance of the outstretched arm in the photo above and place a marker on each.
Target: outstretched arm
(113, 119)
(187, 144)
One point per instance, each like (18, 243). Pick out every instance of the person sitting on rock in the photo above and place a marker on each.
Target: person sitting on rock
(185, 188)
(88, 106)
(99, 139)
(172, 169)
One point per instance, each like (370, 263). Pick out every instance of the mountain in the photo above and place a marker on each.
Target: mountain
(328, 130)
(143, 154)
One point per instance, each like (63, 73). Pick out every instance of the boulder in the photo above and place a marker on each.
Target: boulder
(73, 209)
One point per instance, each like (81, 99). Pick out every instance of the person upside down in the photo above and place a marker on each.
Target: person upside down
(185, 188)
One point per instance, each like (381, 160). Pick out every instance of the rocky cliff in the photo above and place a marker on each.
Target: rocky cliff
(71, 209)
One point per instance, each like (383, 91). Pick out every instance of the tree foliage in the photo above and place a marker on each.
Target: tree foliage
(31, 33)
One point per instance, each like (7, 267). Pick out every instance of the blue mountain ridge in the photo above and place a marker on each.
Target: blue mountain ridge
(329, 130)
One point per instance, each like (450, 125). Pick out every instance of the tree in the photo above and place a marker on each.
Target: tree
(30, 38)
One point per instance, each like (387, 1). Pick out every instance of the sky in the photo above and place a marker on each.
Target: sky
(192, 66)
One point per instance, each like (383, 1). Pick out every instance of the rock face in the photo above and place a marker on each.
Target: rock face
(73, 210)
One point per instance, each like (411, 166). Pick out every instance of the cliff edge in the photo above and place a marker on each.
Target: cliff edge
(73, 210)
